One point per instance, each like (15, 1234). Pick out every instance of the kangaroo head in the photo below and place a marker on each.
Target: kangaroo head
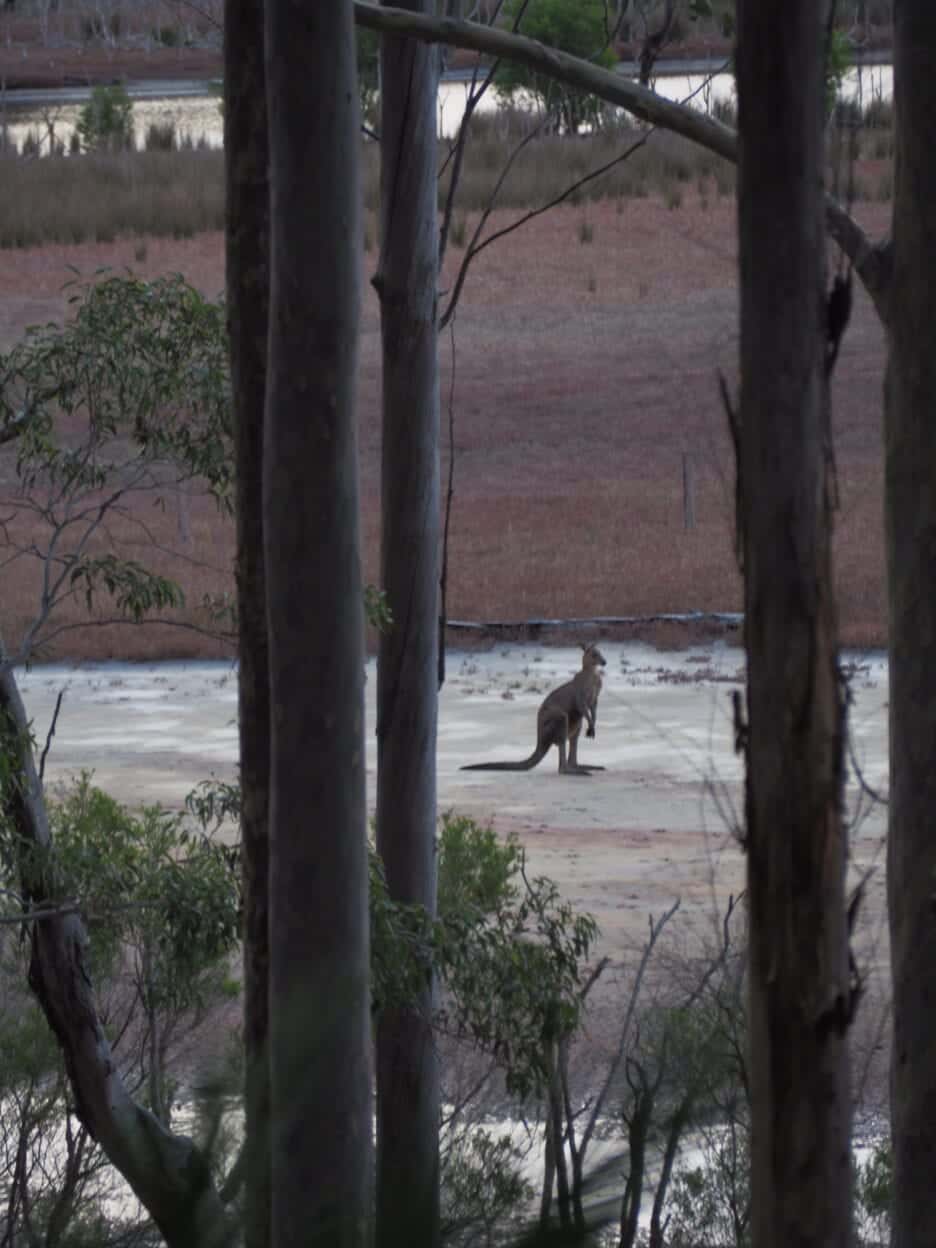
(592, 656)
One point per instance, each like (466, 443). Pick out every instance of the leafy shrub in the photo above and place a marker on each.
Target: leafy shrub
(482, 1187)
(150, 885)
(575, 26)
(160, 136)
(105, 123)
(874, 1194)
(726, 111)
(168, 36)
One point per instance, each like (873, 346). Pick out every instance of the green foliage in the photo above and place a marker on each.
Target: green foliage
(213, 803)
(721, 12)
(161, 137)
(709, 1204)
(482, 1187)
(131, 395)
(147, 884)
(168, 36)
(29, 1051)
(140, 360)
(377, 608)
(874, 1194)
(51, 1194)
(105, 123)
(402, 944)
(136, 592)
(837, 64)
(368, 68)
(162, 911)
(477, 871)
(508, 951)
(510, 955)
(580, 27)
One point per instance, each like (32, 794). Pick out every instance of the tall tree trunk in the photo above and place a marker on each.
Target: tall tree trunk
(406, 281)
(911, 556)
(638, 1129)
(247, 242)
(319, 1025)
(799, 989)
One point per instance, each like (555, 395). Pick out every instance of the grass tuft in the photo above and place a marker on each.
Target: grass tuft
(101, 196)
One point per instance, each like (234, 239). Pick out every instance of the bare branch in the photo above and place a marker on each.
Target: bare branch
(719, 961)
(656, 929)
(475, 95)
(571, 70)
(200, 11)
(44, 913)
(109, 621)
(449, 497)
(872, 262)
(476, 248)
(50, 734)
(473, 247)
(449, 1119)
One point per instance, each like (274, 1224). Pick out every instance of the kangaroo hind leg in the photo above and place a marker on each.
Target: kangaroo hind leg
(574, 767)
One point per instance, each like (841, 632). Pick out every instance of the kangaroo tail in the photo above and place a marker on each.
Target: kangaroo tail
(527, 764)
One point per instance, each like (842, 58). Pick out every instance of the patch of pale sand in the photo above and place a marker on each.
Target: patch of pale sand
(622, 843)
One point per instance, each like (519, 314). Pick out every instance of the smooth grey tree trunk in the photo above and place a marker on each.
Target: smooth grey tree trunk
(319, 1024)
(911, 556)
(247, 263)
(406, 282)
(799, 978)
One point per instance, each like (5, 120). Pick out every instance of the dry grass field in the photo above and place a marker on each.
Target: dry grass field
(585, 354)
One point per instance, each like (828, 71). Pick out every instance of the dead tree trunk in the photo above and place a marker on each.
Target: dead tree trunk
(911, 558)
(799, 984)
(247, 242)
(406, 282)
(319, 1025)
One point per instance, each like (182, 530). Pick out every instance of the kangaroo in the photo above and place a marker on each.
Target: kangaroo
(559, 720)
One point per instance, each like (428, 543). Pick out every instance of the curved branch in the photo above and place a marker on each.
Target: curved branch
(871, 261)
(167, 1172)
(561, 66)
